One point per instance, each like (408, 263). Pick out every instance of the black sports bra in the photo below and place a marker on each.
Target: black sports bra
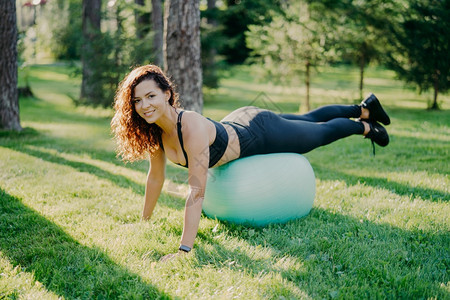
(216, 149)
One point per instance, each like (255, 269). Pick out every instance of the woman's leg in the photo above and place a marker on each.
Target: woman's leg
(284, 135)
(327, 113)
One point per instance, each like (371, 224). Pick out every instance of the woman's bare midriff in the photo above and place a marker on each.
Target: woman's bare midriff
(233, 150)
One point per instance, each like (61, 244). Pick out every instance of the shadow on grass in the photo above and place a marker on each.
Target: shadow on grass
(341, 256)
(119, 180)
(59, 262)
(48, 112)
(394, 187)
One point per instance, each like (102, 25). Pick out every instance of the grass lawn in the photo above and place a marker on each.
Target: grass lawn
(70, 211)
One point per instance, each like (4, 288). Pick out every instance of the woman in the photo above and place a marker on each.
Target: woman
(148, 122)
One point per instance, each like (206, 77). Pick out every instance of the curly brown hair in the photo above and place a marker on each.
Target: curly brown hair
(135, 137)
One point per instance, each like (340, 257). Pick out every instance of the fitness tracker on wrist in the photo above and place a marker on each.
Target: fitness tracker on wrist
(184, 248)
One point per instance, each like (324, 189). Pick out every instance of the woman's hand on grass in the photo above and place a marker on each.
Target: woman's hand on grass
(171, 256)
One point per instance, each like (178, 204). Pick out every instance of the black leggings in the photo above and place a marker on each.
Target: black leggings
(267, 132)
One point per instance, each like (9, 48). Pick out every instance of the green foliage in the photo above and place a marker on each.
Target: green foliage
(291, 44)
(353, 35)
(56, 32)
(115, 51)
(236, 19)
(287, 44)
(316, 32)
(105, 70)
(66, 31)
(212, 39)
(420, 44)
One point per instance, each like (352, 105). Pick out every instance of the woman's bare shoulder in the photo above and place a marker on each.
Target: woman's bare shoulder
(195, 125)
(192, 119)
(191, 114)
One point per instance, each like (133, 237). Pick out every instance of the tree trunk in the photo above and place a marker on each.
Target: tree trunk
(9, 98)
(91, 32)
(307, 82)
(436, 90)
(362, 63)
(158, 30)
(212, 6)
(118, 48)
(182, 58)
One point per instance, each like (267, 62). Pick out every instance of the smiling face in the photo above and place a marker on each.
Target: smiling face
(150, 101)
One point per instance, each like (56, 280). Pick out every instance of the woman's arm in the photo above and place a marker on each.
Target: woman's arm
(155, 181)
(197, 149)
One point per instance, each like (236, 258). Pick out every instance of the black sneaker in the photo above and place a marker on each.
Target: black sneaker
(378, 135)
(376, 111)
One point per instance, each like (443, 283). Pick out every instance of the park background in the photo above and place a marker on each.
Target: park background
(70, 210)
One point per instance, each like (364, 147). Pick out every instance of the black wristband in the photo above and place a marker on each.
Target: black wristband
(184, 248)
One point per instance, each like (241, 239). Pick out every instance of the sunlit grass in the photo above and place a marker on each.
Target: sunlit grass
(70, 211)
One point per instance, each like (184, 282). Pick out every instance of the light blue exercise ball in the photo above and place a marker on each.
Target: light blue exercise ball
(261, 189)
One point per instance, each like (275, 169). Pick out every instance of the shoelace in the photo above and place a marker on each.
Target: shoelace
(372, 128)
(373, 147)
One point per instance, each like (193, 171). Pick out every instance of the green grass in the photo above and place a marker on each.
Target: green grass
(70, 211)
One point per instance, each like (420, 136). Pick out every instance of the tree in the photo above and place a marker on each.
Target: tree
(211, 40)
(90, 89)
(158, 32)
(290, 45)
(235, 21)
(420, 45)
(211, 4)
(9, 98)
(355, 39)
(108, 54)
(182, 57)
(58, 28)
(142, 19)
